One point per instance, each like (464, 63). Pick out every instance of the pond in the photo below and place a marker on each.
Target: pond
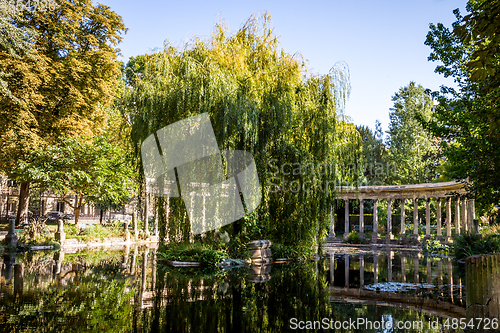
(125, 290)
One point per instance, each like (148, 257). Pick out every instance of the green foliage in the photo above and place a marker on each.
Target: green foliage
(412, 150)
(480, 29)
(467, 117)
(61, 88)
(434, 247)
(96, 170)
(353, 238)
(262, 100)
(374, 164)
(14, 42)
(294, 253)
(466, 245)
(94, 232)
(207, 253)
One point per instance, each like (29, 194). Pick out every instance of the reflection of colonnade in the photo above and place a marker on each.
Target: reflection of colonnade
(463, 217)
(350, 274)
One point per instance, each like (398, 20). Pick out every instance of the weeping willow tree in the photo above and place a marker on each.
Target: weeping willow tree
(262, 100)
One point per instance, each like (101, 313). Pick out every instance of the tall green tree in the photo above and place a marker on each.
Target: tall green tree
(14, 41)
(412, 149)
(96, 171)
(465, 118)
(63, 87)
(374, 166)
(262, 100)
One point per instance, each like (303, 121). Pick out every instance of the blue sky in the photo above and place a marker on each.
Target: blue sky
(381, 41)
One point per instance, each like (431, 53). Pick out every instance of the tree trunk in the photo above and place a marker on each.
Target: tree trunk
(78, 207)
(77, 215)
(22, 208)
(100, 216)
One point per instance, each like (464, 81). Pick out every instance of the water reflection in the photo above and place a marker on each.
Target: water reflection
(129, 290)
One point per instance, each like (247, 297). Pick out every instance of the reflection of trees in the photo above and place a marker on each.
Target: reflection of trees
(94, 305)
(93, 294)
(90, 295)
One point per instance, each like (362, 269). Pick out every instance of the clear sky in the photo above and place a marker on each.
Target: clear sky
(381, 41)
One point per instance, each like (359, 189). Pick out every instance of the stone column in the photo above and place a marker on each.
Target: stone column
(375, 221)
(427, 218)
(416, 278)
(11, 237)
(58, 258)
(361, 219)
(346, 268)
(134, 224)
(403, 268)
(144, 270)
(389, 266)
(450, 278)
(361, 270)
(457, 216)
(440, 276)
(126, 231)
(464, 215)
(126, 254)
(155, 223)
(375, 268)
(482, 287)
(346, 224)
(8, 261)
(332, 268)
(332, 223)
(18, 279)
(448, 219)
(132, 263)
(402, 235)
(389, 221)
(60, 235)
(471, 215)
(438, 216)
(415, 219)
(146, 214)
(153, 273)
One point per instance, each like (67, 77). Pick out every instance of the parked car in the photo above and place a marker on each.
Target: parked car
(54, 216)
(68, 217)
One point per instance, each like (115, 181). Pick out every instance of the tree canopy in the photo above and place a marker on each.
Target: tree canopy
(263, 100)
(62, 88)
(465, 118)
(412, 149)
(94, 170)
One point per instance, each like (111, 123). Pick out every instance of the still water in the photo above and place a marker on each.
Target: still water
(129, 290)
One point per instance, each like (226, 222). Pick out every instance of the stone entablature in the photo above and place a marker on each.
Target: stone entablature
(419, 191)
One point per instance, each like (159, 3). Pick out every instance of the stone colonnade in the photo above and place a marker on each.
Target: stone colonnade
(463, 218)
(401, 275)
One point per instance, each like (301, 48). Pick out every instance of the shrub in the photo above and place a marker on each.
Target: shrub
(353, 238)
(290, 252)
(435, 248)
(466, 245)
(205, 253)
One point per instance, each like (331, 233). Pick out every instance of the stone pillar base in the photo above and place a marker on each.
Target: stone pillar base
(346, 235)
(11, 237)
(60, 237)
(415, 237)
(362, 235)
